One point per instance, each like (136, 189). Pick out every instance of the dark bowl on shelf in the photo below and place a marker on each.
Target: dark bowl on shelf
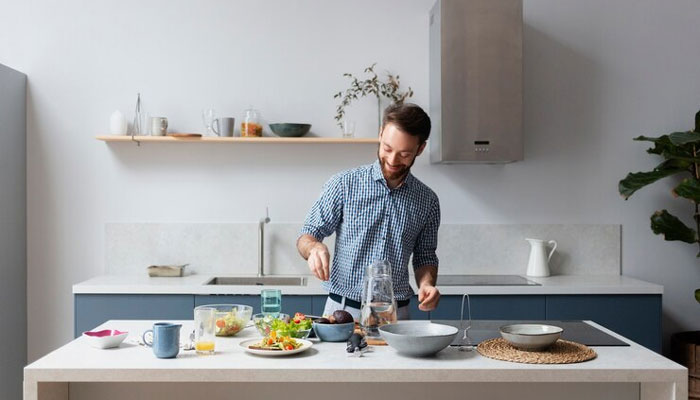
(290, 130)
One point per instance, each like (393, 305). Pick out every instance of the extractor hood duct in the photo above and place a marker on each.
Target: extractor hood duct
(476, 81)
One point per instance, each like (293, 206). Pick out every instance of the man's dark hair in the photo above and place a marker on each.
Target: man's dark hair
(409, 118)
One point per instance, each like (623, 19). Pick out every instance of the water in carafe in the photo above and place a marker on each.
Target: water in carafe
(378, 303)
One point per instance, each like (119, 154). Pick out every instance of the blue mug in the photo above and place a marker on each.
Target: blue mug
(165, 339)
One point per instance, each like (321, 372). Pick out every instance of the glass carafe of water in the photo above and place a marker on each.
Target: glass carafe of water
(378, 302)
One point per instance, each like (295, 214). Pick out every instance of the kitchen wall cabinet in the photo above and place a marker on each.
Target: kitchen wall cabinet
(635, 316)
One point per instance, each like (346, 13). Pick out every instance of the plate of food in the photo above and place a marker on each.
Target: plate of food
(274, 345)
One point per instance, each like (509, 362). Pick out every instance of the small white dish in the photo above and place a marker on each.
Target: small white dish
(305, 345)
(531, 336)
(105, 339)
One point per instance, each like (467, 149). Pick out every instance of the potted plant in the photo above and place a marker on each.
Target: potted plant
(372, 85)
(681, 156)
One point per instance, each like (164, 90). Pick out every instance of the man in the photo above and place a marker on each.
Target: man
(378, 212)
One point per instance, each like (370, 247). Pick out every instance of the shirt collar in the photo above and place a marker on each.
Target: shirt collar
(377, 175)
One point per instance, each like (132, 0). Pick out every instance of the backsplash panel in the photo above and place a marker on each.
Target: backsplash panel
(231, 248)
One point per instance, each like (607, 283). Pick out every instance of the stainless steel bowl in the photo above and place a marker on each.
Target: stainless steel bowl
(418, 338)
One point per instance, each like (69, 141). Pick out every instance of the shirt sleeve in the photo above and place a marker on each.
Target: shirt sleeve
(327, 212)
(426, 243)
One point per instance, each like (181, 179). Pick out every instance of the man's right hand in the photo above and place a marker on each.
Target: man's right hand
(319, 261)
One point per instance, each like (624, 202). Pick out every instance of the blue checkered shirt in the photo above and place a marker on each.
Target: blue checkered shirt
(373, 222)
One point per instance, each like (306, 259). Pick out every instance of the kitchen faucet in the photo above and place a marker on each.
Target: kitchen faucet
(261, 242)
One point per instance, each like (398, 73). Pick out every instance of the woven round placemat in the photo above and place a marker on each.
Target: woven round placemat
(561, 352)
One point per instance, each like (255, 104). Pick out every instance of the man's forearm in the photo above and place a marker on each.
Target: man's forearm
(426, 274)
(305, 243)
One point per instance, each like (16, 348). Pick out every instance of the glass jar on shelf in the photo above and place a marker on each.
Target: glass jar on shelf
(251, 126)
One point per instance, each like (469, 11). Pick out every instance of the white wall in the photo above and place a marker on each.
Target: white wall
(597, 73)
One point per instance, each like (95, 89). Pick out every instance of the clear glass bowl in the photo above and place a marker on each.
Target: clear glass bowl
(263, 323)
(230, 318)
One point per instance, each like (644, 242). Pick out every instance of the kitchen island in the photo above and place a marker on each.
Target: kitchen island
(626, 305)
(77, 371)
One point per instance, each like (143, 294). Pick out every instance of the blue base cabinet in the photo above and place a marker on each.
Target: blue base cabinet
(637, 317)
(491, 307)
(290, 304)
(92, 310)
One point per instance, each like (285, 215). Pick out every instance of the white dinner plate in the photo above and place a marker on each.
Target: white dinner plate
(305, 345)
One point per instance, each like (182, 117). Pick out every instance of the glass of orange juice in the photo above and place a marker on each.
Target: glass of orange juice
(204, 329)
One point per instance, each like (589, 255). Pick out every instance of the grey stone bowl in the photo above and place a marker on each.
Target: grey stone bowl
(418, 338)
(290, 130)
(531, 337)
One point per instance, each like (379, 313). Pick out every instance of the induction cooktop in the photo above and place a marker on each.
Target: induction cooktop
(484, 280)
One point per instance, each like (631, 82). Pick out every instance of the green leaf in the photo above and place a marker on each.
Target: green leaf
(697, 295)
(671, 228)
(636, 181)
(661, 143)
(681, 138)
(689, 188)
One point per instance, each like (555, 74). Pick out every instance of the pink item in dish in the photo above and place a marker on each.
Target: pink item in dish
(106, 338)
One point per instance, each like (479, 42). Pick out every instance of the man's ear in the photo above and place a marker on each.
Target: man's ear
(421, 148)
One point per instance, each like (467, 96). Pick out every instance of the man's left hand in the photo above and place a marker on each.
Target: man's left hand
(428, 297)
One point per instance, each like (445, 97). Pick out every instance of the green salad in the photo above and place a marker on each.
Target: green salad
(229, 324)
(297, 327)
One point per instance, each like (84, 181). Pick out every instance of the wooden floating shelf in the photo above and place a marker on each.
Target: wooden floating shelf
(235, 139)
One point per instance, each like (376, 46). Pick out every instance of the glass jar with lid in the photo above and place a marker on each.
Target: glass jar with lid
(251, 127)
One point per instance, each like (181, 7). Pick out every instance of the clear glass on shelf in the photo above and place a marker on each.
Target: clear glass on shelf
(348, 129)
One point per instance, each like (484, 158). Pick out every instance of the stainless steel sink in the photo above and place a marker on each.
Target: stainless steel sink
(259, 280)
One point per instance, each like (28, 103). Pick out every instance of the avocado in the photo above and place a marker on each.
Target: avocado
(342, 317)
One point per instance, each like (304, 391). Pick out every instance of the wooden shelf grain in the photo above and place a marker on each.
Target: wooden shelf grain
(236, 139)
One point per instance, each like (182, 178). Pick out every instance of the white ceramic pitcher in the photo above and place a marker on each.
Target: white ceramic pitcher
(538, 266)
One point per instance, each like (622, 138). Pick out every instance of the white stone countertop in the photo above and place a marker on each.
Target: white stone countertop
(196, 284)
(78, 361)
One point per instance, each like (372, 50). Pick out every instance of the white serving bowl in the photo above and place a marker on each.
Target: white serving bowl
(531, 336)
(418, 338)
(105, 339)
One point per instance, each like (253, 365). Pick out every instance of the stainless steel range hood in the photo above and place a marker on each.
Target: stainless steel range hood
(476, 81)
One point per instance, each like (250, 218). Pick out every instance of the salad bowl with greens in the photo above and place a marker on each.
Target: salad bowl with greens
(230, 318)
(298, 326)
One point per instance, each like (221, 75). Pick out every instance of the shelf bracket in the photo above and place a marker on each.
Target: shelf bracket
(138, 143)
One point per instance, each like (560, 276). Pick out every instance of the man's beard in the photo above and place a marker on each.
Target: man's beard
(398, 175)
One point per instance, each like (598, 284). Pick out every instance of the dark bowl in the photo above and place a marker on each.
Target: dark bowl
(290, 130)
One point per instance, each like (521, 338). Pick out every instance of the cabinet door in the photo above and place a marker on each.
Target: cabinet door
(92, 310)
(519, 307)
(637, 317)
(290, 303)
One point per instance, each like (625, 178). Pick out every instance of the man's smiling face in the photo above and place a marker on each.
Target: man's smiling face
(397, 152)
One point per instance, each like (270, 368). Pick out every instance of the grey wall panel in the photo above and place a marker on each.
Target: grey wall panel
(13, 231)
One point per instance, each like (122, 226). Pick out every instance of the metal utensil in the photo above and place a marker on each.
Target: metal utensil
(466, 343)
